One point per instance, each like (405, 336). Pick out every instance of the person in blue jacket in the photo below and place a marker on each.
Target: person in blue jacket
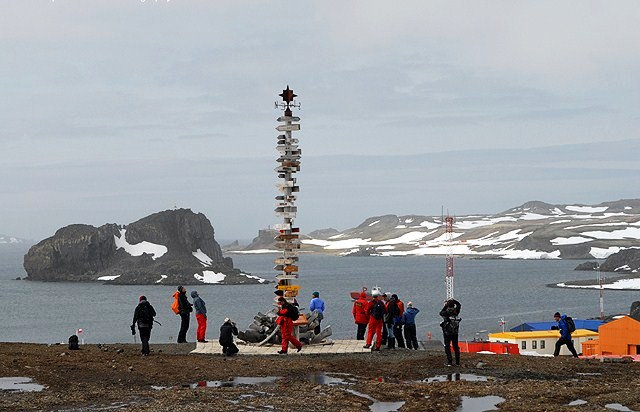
(409, 320)
(565, 335)
(317, 304)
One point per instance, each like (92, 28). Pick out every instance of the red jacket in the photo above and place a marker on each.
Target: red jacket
(360, 310)
(282, 317)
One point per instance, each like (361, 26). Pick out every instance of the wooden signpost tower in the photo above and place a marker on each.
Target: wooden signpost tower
(287, 239)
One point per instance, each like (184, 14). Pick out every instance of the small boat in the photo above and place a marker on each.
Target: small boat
(356, 295)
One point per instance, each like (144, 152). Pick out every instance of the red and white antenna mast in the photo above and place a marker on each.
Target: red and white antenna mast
(448, 230)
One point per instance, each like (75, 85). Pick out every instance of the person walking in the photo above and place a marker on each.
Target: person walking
(201, 316)
(285, 322)
(409, 320)
(393, 313)
(450, 328)
(360, 315)
(565, 335)
(143, 317)
(185, 308)
(397, 323)
(376, 311)
(227, 330)
(317, 304)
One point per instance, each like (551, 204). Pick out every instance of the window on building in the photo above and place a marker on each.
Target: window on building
(523, 345)
(542, 344)
(534, 344)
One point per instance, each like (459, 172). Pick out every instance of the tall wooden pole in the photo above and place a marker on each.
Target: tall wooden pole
(287, 239)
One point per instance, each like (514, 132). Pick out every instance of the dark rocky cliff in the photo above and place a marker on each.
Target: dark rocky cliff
(169, 247)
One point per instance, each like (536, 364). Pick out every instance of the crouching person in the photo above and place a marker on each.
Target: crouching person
(227, 330)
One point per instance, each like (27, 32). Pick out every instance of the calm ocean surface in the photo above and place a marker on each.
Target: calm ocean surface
(487, 289)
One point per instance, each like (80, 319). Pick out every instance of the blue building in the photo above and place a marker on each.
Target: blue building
(589, 324)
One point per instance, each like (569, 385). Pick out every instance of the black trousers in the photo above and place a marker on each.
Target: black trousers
(316, 330)
(569, 344)
(397, 333)
(184, 327)
(384, 334)
(362, 330)
(448, 340)
(230, 349)
(145, 335)
(410, 336)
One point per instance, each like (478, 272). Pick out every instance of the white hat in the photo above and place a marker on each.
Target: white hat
(226, 320)
(375, 293)
(410, 304)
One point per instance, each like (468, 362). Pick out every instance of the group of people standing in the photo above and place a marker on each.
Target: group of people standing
(385, 317)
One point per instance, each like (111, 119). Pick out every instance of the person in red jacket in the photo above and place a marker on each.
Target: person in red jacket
(360, 315)
(286, 327)
(376, 311)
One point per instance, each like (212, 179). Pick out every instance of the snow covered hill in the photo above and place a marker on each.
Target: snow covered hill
(535, 230)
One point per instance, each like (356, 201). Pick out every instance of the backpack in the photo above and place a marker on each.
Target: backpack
(293, 312)
(451, 326)
(73, 342)
(378, 310)
(144, 315)
(571, 325)
(176, 306)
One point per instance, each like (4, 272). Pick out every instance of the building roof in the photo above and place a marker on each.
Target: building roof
(537, 334)
(590, 324)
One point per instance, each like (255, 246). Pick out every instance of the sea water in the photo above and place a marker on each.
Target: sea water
(49, 312)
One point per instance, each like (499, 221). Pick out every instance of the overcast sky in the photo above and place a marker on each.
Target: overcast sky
(111, 110)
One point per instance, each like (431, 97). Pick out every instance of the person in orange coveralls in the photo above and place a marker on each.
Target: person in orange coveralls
(360, 315)
(286, 326)
(376, 310)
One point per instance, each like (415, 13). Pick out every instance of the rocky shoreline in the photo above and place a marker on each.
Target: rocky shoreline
(116, 377)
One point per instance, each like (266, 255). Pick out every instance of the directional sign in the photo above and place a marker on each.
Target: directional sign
(288, 287)
(288, 119)
(288, 127)
(284, 261)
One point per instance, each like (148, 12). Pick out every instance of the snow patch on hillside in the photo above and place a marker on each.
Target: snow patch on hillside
(156, 251)
(587, 209)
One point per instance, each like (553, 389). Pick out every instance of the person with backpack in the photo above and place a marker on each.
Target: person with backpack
(227, 330)
(360, 315)
(317, 304)
(201, 316)
(450, 328)
(376, 310)
(143, 318)
(184, 308)
(566, 327)
(409, 321)
(287, 313)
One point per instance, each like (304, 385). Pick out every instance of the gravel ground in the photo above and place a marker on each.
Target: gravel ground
(117, 377)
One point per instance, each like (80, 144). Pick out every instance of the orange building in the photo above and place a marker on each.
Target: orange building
(619, 337)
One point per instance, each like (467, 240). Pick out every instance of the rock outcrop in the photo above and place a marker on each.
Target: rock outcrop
(170, 247)
(625, 261)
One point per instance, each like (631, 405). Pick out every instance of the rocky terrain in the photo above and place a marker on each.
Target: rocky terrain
(116, 377)
(535, 230)
(169, 247)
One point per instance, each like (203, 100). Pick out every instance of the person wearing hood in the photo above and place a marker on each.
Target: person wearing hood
(409, 320)
(450, 328)
(185, 309)
(143, 318)
(201, 316)
(227, 330)
(393, 312)
(360, 315)
(286, 326)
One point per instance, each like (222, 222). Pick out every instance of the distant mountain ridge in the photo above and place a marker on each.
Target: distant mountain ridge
(4, 239)
(534, 230)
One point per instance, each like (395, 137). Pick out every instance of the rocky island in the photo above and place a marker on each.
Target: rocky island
(170, 247)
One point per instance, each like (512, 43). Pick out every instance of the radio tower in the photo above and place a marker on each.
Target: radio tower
(287, 239)
(600, 281)
(448, 230)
